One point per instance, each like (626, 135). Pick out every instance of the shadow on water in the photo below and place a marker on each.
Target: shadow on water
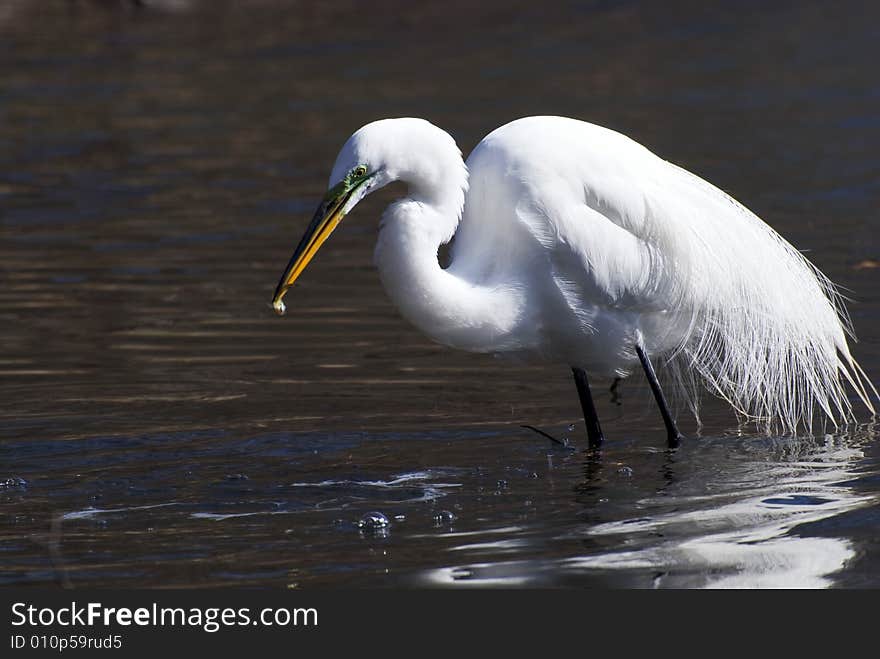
(160, 427)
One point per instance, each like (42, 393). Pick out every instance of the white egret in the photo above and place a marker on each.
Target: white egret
(576, 244)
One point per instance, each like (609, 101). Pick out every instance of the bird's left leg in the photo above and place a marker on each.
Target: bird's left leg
(673, 436)
(591, 419)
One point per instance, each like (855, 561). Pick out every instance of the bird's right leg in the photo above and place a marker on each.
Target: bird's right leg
(673, 436)
(591, 419)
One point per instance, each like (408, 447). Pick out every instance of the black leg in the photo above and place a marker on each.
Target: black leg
(674, 437)
(615, 397)
(594, 430)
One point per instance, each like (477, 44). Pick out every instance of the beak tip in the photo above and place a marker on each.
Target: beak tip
(278, 306)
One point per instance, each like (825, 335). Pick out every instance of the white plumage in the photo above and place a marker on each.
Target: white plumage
(574, 243)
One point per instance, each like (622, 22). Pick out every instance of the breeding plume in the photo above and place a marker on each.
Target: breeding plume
(578, 245)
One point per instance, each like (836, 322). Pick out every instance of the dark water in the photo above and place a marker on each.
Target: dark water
(159, 426)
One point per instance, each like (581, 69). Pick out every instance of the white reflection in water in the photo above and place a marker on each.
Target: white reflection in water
(746, 542)
(739, 536)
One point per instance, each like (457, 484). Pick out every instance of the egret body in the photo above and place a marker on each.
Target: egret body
(573, 243)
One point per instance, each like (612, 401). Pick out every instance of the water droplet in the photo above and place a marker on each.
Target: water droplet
(625, 471)
(372, 521)
(502, 484)
(236, 477)
(400, 518)
(13, 481)
(534, 474)
(444, 517)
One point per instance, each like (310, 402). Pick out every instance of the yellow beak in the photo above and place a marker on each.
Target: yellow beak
(326, 219)
(328, 216)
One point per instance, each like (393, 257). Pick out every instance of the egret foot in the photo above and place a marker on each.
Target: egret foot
(615, 396)
(673, 437)
(591, 419)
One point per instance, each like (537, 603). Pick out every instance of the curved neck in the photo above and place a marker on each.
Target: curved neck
(445, 304)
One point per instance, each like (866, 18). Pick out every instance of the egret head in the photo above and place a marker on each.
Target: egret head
(412, 150)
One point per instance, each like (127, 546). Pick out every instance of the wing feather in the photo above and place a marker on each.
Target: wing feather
(620, 229)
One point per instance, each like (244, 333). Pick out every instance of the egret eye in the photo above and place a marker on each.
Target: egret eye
(360, 170)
